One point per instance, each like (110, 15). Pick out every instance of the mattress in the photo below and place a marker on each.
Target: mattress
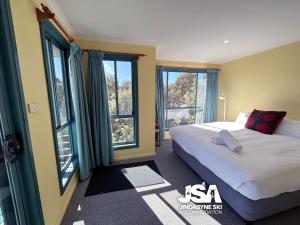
(267, 166)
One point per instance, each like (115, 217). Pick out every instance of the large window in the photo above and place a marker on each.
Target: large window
(55, 57)
(184, 97)
(121, 79)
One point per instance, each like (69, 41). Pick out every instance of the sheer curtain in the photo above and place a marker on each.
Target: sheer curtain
(211, 97)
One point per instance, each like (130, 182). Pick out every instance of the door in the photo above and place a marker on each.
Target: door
(19, 194)
(11, 208)
(7, 214)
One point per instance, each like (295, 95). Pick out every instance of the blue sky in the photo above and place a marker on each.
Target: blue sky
(123, 69)
(57, 62)
(57, 67)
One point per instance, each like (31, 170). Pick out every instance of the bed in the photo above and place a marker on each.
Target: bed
(261, 180)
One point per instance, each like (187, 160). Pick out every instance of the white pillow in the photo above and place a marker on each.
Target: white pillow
(289, 128)
(242, 118)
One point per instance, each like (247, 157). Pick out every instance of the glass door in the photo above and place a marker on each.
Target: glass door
(19, 195)
(11, 206)
(7, 214)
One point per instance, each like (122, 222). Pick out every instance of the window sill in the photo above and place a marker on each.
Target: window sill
(67, 175)
(125, 146)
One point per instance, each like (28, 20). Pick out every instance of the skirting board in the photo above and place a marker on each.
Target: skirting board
(134, 156)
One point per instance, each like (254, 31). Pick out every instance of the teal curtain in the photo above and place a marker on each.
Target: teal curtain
(160, 101)
(99, 110)
(211, 98)
(84, 137)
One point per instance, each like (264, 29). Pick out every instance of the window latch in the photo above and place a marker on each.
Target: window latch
(11, 148)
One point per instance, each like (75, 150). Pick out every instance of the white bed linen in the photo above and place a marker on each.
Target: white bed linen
(267, 166)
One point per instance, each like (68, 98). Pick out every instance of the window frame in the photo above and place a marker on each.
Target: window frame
(134, 91)
(50, 36)
(166, 94)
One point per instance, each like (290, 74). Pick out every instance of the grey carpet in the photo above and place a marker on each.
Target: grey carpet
(129, 207)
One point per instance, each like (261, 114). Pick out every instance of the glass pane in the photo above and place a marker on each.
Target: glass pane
(199, 116)
(177, 117)
(59, 82)
(64, 147)
(201, 90)
(122, 130)
(109, 69)
(124, 87)
(181, 89)
(7, 215)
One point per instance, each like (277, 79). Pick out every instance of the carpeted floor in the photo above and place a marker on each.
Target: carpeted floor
(156, 206)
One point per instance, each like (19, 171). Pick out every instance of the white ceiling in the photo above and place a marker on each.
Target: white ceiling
(188, 30)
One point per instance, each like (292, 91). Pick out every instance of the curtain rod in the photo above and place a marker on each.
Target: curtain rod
(187, 68)
(118, 53)
(47, 14)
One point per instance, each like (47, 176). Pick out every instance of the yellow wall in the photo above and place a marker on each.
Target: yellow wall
(34, 83)
(187, 64)
(268, 80)
(146, 95)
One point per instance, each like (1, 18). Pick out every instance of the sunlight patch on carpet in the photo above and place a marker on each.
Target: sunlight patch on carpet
(196, 217)
(163, 212)
(141, 176)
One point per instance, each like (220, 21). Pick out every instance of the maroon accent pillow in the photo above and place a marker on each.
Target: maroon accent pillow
(264, 121)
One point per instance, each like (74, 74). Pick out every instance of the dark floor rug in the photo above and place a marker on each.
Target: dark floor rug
(111, 178)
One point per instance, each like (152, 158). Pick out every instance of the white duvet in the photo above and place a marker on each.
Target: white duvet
(267, 165)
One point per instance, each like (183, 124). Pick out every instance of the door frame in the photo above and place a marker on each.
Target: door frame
(24, 167)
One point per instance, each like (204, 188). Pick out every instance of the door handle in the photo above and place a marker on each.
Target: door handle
(11, 148)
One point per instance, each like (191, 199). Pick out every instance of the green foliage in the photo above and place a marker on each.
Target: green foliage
(110, 83)
(61, 101)
(125, 98)
(182, 92)
(122, 129)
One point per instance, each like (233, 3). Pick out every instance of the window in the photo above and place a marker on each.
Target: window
(56, 51)
(121, 80)
(184, 97)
